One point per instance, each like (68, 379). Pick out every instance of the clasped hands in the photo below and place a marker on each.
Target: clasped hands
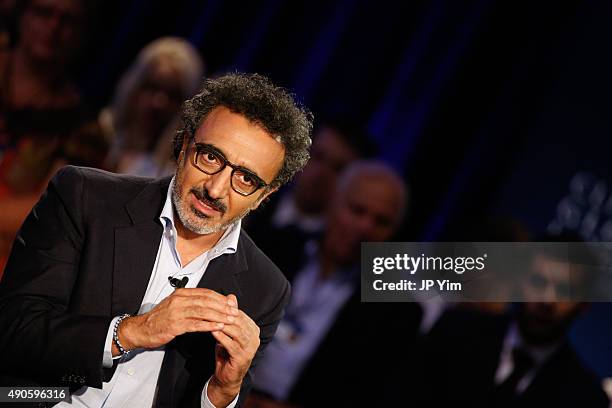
(200, 310)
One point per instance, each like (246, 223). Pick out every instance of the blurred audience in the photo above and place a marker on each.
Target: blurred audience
(521, 359)
(39, 103)
(482, 229)
(7, 29)
(325, 342)
(42, 121)
(300, 211)
(143, 116)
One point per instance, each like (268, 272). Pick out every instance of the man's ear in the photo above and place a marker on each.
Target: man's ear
(184, 154)
(180, 160)
(184, 147)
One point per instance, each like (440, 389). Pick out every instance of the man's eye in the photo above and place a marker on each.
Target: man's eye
(245, 179)
(211, 157)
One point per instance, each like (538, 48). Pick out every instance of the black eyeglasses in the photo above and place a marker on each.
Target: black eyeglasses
(210, 160)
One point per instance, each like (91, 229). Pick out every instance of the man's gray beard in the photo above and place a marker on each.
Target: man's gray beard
(184, 217)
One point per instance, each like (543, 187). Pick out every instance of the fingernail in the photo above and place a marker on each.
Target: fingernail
(220, 325)
(231, 302)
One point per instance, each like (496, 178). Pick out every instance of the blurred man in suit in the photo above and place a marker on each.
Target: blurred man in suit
(327, 339)
(523, 359)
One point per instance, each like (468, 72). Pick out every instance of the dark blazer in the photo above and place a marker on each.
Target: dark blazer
(463, 354)
(84, 255)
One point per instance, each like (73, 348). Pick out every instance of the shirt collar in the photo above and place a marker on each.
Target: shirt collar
(228, 242)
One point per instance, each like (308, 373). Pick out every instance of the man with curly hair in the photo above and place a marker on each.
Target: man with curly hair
(146, 292)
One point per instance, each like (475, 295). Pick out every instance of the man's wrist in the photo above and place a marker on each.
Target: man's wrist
(127, 332)
(221, 395)
(127, 335)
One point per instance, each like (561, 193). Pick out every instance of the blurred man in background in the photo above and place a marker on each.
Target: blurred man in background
(326, 341)
(523, 359)
(298, 214)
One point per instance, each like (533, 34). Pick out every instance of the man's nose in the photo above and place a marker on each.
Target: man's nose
(218, 185)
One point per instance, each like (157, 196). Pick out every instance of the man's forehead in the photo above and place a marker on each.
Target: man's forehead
(376, 189)
(387, 206)
(241, 140)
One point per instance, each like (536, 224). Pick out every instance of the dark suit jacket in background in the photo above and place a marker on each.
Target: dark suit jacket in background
(464, 349)
(366, 358)
(84, 255)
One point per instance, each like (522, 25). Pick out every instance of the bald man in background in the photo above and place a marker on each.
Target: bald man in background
(326, 345)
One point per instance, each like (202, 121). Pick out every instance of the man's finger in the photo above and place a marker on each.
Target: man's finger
(246, 320)
(232, 300)
(206, 313)
(202, 326)
(230, 345)
(205, 301)
(238, 334)
(199, 292)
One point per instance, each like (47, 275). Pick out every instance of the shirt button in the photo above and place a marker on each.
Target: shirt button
(130, 371)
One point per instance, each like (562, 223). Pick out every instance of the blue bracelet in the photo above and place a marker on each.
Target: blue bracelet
(122, 350)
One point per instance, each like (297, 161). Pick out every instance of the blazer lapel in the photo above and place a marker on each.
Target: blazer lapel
(136, 247)
(223, 272)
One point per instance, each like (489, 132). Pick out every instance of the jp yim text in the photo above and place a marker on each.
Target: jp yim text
(425, 285)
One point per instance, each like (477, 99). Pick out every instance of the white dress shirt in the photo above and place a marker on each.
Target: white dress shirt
(539, 355)
(314, 306)
(135, 379)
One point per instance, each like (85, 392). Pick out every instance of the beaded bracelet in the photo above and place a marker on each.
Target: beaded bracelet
(116, 337)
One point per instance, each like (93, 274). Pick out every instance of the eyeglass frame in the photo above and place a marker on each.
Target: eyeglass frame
(199, 148)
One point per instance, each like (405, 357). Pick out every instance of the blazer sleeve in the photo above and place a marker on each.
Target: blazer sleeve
(40, 339)
(267, 325)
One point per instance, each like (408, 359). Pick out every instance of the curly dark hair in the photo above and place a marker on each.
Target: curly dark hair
(259, 100)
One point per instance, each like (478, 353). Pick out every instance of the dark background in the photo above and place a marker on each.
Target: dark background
(487, 107)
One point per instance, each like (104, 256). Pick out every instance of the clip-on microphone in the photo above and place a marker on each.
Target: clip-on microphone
(178, 283)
